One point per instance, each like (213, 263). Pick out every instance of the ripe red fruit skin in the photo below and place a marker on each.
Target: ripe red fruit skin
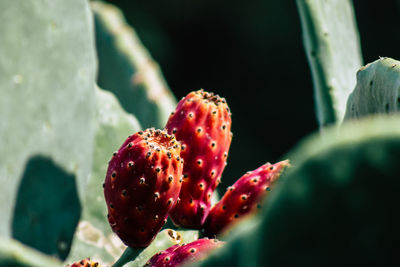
(179, 255)
(243, 198)
(202, 123)
(85, 263)
(142, 184)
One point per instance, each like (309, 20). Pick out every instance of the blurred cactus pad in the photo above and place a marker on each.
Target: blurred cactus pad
(47, 109)
(336, 204)
(377, 90)
(127, 69)
(76, 81)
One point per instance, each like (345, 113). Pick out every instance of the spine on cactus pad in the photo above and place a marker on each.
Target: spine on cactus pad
(142, 184)
(180, 255)
(243, 197)
(202, 123)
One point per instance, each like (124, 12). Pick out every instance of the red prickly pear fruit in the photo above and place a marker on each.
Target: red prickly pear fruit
(84, 263)
(182, 255)
(202, 123)
(243, 198)
(142, 184)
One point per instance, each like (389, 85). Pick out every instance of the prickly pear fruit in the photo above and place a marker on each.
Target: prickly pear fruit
(85, 263)
(243, 197)
(142, 184)
(202, 123)
(180, 255)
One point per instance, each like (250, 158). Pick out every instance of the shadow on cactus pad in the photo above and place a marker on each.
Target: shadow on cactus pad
(47, 208)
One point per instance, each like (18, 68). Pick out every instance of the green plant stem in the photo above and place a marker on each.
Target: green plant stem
(129, 255)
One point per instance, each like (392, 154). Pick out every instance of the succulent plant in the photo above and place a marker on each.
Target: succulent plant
(333, 50)
(329, 207)
(377, 90)
(336, 204)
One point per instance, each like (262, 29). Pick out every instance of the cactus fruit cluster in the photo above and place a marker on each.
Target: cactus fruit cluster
(156, 173)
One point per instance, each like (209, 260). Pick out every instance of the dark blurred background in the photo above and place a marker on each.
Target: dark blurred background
(250, 52)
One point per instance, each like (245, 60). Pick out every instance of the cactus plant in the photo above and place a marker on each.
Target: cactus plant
(337, 203)
(332, 44)
(127, 69)
(47, 100)
(14, 253)
(377, 90)
(332, 194)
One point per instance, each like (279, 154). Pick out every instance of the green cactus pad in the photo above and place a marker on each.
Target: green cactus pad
(331, 41)
(94, 237)
(377, 90)
(127, 69)
(337, 204)
(15, 254)
(47, 70)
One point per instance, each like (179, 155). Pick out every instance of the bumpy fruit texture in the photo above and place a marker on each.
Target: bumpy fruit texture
(243, 197)
(143, 181)
(182, 255)
(202, 123)
(85, 263)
